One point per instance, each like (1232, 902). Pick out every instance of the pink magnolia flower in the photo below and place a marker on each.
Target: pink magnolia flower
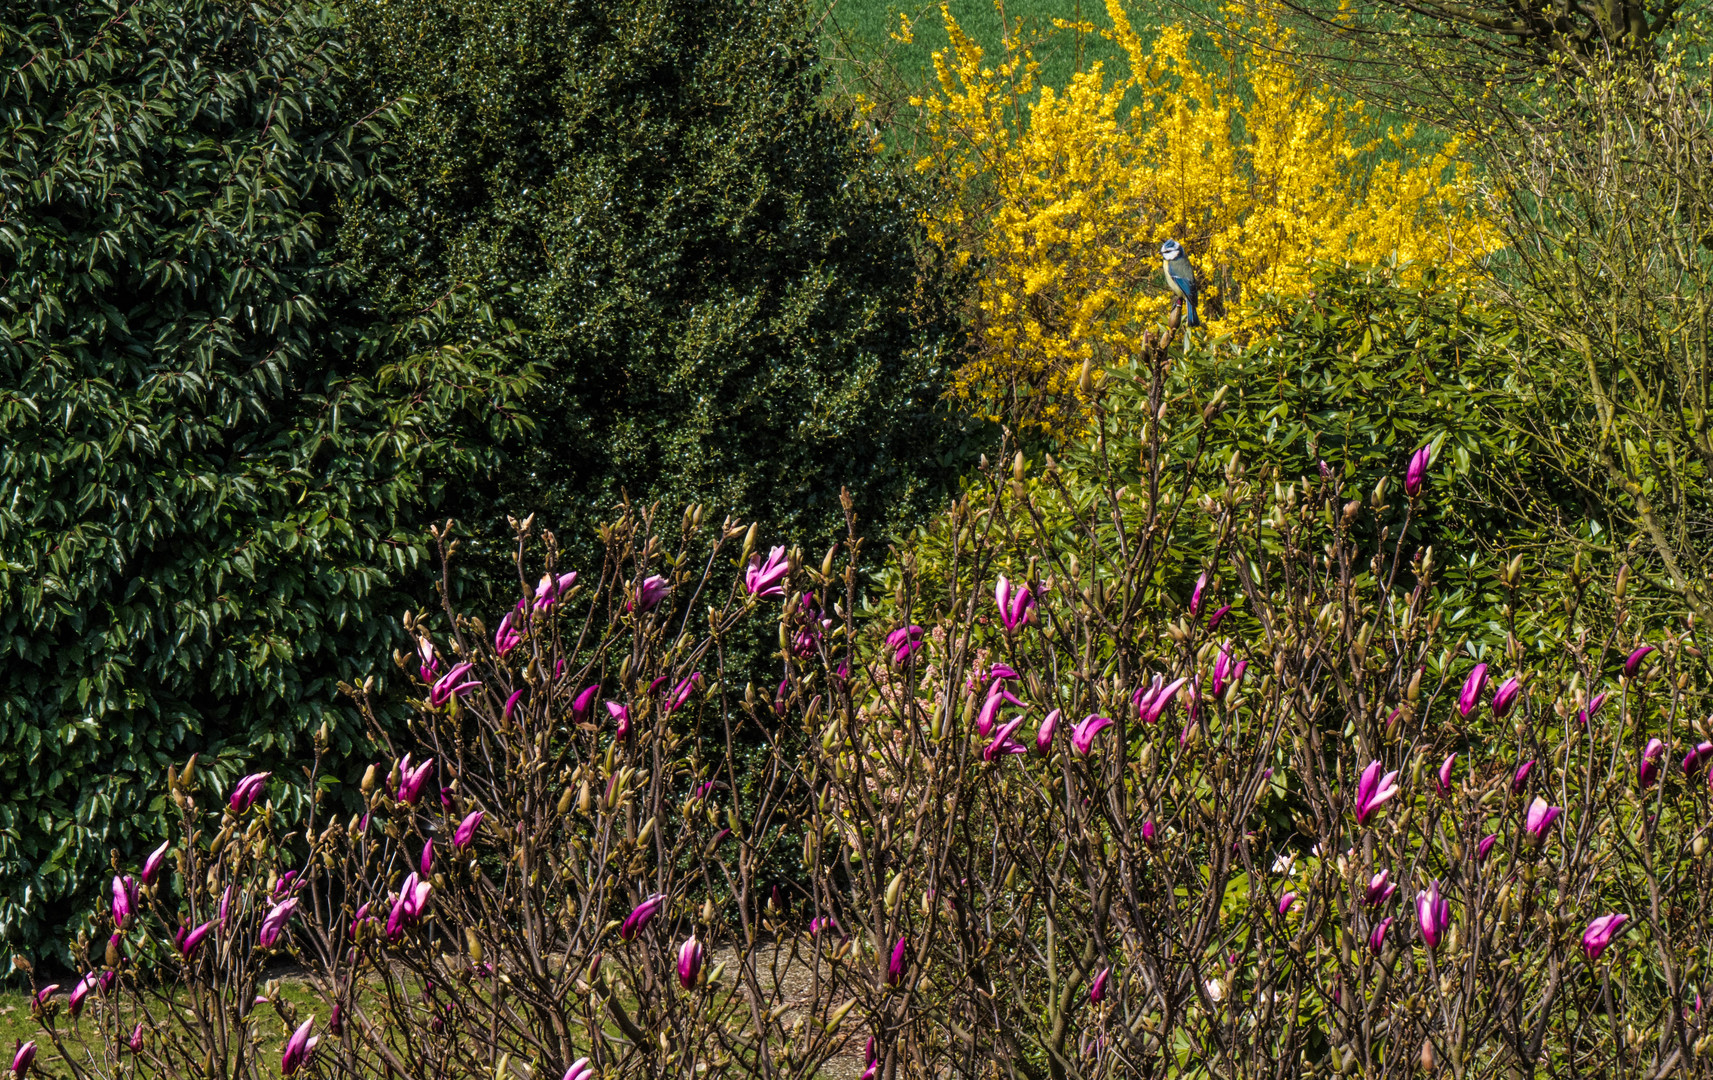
(1593, 709)
(1225, 673)
(74, 1002)
(298, 1048)
(1377, 939)
(681, 693)
(1148, 832)
(1374, 791)
(249, 790)
(274, 922)
(1286, 901)
(1485, 846)
(362, 916)
(152, 865)
(1153, 703)
(124, 899)
(24, 1058)
(1003, 742)
(411, 779)
(766, 579)
(1195, 594)
(426, 862)
(1693, 759)
(1521, 779)
(1415, 475)
(1506, 696)
(1380, 889)
(549, 589)
(580, 1070)
(1015, 603)
(506, 638)
(689, 962)
(585, 700)
(621, 714)
(466, 830)
(410, 905)
(1097, 991)
(192, 940)
(1433, 913)
(895, 965)
(1540, 818)
(452, 684)
(1044, 734)
(904, 641)
(1470, 698)
(1442, 782)
(1634, 663)
(135, 1042)
(429, 668)
(996, 699)
(1082, 736)
(1648, 771)
(649, 595)
(640, 916)
(1217, 617)
(1600, 933)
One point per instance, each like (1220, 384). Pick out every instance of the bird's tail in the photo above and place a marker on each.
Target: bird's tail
(1190, 305)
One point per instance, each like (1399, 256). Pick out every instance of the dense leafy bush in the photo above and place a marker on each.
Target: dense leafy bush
(1370, 366)
(721, 281)
(214, 462)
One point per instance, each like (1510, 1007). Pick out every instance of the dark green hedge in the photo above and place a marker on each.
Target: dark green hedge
(726, 289)
(216, 460)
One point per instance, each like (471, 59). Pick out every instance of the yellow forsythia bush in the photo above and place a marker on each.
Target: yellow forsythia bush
(1067, 194)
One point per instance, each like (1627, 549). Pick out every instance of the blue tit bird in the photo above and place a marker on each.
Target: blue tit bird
(1180, 278)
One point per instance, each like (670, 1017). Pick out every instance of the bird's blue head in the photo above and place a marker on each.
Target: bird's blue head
(1171, 249)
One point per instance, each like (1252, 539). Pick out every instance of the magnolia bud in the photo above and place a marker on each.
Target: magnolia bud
(892, 890)
(368, 780)
(565, 798)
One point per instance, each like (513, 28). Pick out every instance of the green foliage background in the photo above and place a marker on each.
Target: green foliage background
(217, 458)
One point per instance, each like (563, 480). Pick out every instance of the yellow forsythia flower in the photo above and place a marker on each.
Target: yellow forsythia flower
(1068, 192)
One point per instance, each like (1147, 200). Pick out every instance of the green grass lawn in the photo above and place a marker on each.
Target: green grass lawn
(863, 56)
(858, 28)
(18, 1026)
